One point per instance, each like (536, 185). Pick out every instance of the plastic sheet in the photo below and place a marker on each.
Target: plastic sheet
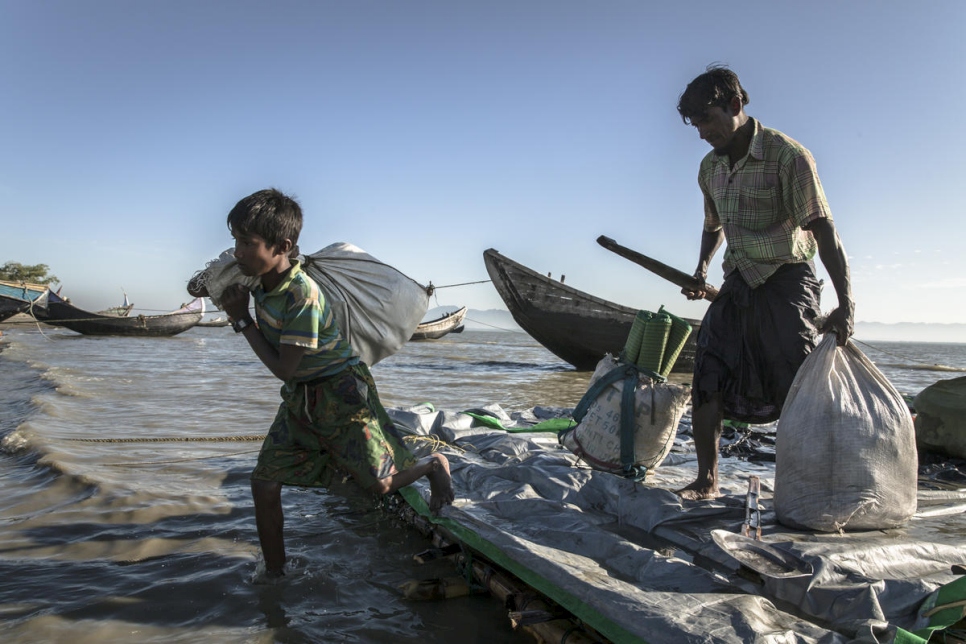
(638, 564)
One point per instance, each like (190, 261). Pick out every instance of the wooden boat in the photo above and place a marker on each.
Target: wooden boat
(451, 322)
(57, 311)
(214, 322)
(577, 327)
(16, 297)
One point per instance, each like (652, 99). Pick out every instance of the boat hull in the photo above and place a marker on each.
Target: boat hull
(17, 297)
(435, 329)
(58, 312)
(575, 326)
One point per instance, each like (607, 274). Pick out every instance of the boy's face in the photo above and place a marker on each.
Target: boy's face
(255, 257)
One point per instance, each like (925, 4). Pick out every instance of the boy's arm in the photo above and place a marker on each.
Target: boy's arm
(283, 362)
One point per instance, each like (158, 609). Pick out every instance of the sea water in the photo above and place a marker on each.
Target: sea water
(126, 514)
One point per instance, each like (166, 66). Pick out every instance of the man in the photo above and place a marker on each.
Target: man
(763, 197)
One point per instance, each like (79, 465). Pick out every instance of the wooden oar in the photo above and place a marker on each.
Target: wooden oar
(669, 273)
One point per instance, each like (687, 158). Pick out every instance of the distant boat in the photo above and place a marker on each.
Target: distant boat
(575, 326)
(451, 322)
(17, 297)
(119, 311)
(57, 311)
(214, 322)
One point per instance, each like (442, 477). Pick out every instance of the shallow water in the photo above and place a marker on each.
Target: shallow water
(126, 514)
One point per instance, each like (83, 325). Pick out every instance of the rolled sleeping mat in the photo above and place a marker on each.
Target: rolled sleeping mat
(655, 339)
(678, 337)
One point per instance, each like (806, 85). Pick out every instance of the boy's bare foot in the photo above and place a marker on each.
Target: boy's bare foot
(440, 483)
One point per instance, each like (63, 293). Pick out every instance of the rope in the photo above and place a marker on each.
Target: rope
(169, 439)
(463, 284)
(492, 326)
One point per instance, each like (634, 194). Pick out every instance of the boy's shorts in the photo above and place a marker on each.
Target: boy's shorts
(330, 427)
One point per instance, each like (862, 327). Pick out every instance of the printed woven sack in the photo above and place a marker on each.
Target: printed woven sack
(628, 447)
(376, 306)
(846, 446)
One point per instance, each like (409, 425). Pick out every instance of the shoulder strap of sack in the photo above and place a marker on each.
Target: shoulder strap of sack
(628, 374)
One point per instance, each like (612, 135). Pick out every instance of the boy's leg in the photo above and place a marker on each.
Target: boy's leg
(435, 467)
(269, 521)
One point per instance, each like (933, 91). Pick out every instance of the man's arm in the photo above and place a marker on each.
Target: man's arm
(283, 362)
(832, 254)
(710, 243)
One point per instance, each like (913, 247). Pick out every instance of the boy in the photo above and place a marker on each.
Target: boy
(330, 420)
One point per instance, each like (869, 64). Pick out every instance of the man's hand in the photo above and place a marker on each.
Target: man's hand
(235, 301)
(841, 322)
(698, 292)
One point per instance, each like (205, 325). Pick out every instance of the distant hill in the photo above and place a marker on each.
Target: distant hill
(501, 320)
(911, 332)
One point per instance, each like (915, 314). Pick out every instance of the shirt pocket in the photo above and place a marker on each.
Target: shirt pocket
(758, 208)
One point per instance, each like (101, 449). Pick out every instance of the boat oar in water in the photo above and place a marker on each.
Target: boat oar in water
(669, 273)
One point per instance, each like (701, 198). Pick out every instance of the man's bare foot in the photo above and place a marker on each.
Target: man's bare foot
(699, 491)
(440, 484)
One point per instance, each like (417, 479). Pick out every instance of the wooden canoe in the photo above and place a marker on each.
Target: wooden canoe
(57, 311)
(433, 329)
(577, 327)
(17, 297)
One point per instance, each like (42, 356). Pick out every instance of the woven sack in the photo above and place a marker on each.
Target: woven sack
(658, 408)
(846, 447)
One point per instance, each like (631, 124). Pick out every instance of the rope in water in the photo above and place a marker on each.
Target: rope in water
(937, 367)
(170, 439)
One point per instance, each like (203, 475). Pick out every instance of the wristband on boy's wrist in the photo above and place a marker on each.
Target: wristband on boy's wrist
(241, 324)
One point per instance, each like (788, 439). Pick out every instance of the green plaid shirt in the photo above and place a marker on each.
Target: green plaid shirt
(763, 204)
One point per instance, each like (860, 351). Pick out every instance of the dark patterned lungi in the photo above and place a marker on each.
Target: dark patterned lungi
(752, 342)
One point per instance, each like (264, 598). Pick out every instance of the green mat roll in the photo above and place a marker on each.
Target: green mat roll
(678, 336)
(633, 345)
(652, 344)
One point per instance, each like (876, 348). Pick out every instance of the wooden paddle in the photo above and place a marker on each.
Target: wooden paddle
(669, 273)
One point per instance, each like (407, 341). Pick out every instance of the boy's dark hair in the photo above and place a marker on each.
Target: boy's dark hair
(270, 214)
(715, 87)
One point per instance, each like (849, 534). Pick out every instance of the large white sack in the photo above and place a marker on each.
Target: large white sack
(658, 408)
(846, 446)
(376, 306)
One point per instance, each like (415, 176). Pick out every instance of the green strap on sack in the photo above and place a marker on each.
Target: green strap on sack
(628, 374)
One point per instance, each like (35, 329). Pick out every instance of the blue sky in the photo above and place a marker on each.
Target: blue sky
(428, 131)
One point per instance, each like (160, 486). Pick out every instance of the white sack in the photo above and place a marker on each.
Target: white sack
(658, 408)
(846, 446)
(376, 306)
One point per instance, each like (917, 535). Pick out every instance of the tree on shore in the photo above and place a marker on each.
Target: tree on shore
(34, 274)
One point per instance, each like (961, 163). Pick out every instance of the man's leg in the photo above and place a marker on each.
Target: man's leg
(706, 425)
(269, 521)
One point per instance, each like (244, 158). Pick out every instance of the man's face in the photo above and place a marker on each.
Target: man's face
(717, 126)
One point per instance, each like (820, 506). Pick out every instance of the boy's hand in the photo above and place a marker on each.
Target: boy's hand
(235, 300)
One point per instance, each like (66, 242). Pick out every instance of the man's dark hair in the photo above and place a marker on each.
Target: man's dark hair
(714, 88)
(270, 214)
